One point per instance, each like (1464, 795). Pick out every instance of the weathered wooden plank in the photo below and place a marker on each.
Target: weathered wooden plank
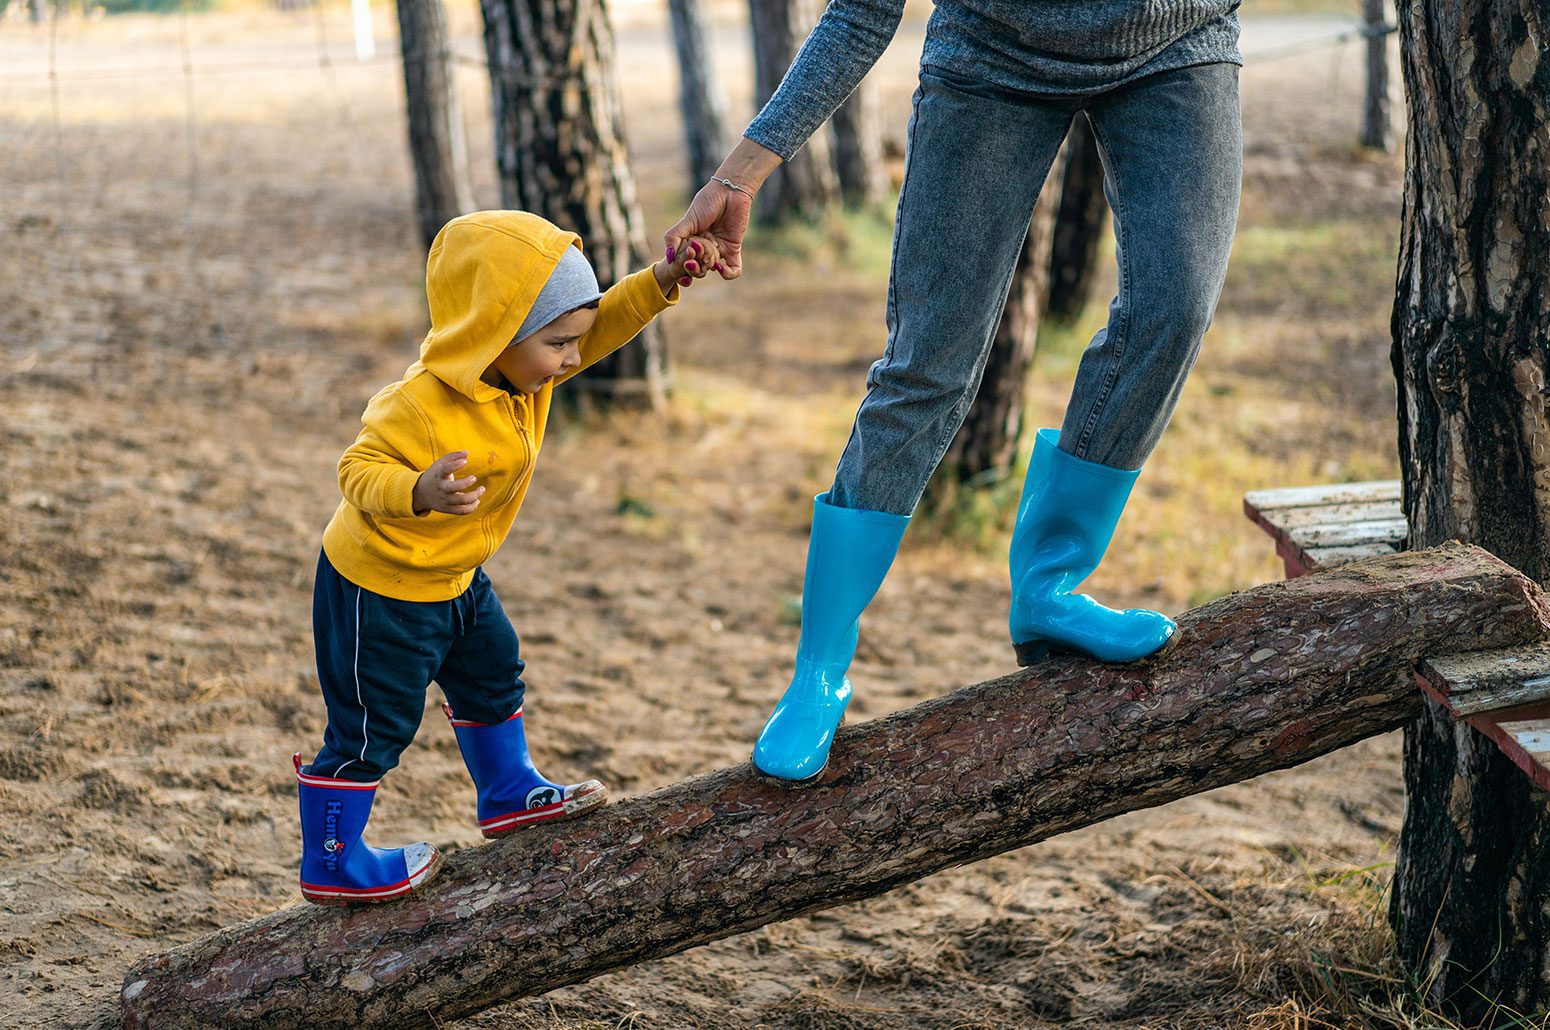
(1354, 534)
(1328, 557)
(1325, 494)
(1521, 732)
(1485, 681)
(1530, 747)
(1293, 519)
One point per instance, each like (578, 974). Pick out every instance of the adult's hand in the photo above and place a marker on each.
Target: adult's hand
(719, 212)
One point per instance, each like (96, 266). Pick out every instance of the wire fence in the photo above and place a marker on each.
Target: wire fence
(348, 134)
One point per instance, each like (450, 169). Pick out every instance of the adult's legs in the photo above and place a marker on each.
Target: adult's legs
(1172, 147)
(1172, 151)
(976, 159)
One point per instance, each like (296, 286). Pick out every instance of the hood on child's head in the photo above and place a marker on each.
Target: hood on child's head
(481, 278)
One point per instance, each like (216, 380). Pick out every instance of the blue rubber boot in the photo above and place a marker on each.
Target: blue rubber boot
(512, 794)
(337, 867)
(1066, 517)
(848, 555)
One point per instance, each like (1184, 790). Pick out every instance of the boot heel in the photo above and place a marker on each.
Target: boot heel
(1031, 652)
(785, 784)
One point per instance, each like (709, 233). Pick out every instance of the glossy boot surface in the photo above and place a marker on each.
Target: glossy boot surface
(1067, 515)
(512, 793)
(848, 554)
(337, 867)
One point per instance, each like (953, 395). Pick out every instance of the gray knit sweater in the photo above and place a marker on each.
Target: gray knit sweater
(1064, 47)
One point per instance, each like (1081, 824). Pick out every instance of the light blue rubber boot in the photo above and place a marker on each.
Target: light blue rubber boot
(337, 867)
(848, 555)
(1066, 517)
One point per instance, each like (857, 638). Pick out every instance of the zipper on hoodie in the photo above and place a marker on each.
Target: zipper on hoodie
(529, 458)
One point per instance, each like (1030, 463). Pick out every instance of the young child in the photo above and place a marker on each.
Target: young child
(431, 487)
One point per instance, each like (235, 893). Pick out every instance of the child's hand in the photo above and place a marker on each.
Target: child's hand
(694, 260)
(436, 490)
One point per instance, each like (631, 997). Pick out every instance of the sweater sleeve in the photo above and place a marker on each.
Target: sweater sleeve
(841, 49)
(377, 474)
(627, 307)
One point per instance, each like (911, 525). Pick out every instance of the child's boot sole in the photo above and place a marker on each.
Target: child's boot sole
(579, 804)
(343, 896)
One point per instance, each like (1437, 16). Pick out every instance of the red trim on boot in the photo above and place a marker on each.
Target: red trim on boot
(500, 825)
(454, 720)
(328, 781)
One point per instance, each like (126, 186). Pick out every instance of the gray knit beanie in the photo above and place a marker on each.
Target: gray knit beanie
(571, 285)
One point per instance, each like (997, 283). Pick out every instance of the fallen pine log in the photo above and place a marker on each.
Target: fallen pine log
(1260, 680)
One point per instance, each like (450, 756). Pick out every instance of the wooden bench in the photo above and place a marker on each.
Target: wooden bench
(1503, 694)
(1324, 526)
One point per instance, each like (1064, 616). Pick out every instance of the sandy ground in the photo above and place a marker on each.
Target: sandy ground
(191, 323)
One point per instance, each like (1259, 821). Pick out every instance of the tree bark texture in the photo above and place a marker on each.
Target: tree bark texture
(1079, 225)
(1377, 123)
(699, 93)
(559, 148)
(858, 149)
(986, 444)
(437, 145)
(1471, 327)
(806, 184)
(1260, 680)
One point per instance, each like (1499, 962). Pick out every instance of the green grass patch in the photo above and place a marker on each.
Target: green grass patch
(859, 239)
(1331, 267)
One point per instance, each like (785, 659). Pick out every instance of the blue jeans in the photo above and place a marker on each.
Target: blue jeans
(376, 655)
(976, 159)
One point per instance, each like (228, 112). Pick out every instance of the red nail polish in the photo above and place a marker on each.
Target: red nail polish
(685, 281)
(692, 266)
(694, 246)
(720, 267)
(670, 256)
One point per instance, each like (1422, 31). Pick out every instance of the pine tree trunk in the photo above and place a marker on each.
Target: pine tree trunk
(806, 184)
(1471, 325)
(38, 11)
(1079, 225)
(700, 96)
(858, 149)
(986, 444)
(1377, 124)
(437, 144)
(560, 153)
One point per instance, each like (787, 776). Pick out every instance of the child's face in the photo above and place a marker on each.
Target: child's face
(550, 352)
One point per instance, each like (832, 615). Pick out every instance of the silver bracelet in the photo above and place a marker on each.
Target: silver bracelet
(729, 184)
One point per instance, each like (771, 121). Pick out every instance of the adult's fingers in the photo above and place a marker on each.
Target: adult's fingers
(704, 211)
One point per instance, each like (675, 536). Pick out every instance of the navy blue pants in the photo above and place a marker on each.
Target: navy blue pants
(376, 655)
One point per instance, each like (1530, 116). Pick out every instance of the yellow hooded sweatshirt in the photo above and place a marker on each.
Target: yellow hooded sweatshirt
(483, 274)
